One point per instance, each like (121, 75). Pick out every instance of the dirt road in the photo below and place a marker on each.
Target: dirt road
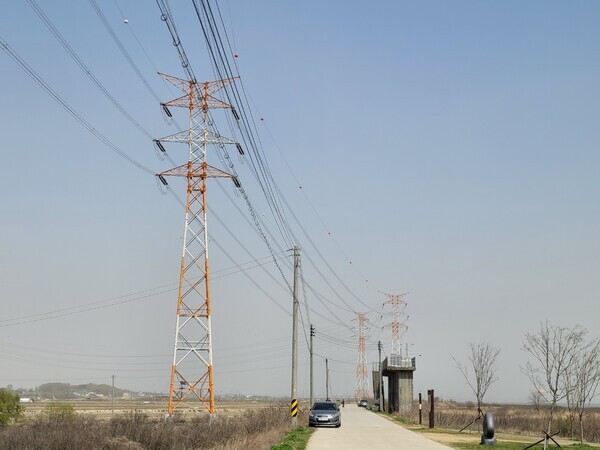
(362, 429)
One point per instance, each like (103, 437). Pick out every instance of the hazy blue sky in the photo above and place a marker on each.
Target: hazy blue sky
(450, 148)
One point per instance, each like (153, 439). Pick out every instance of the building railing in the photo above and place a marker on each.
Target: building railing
(400, 362)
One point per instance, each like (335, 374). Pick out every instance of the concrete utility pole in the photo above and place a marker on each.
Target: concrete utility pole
(312, 333)
(380, 379)
(326, 379)
(112, 398)
(294, 402)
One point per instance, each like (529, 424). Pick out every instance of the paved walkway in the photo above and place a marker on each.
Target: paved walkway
(362, 429)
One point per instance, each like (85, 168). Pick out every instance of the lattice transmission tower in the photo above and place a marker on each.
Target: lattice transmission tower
(398, 303)
(361, 389)
(192, 369)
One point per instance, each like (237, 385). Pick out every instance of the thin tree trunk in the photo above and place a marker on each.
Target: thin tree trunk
(572, 423)
(548, 430)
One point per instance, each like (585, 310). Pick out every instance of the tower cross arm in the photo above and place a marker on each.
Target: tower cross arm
(198, 170)
(188, 85)
(199, 136)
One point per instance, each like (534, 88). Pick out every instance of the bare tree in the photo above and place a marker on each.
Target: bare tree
(483, 364)
(535, 398)
(554, 349)
(585, 386)
(570, 384)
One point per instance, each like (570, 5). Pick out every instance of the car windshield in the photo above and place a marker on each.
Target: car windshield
(324, 406)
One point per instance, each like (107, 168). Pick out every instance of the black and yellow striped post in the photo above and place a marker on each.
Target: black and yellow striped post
(294, 407)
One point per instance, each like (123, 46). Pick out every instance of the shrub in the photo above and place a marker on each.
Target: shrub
(59, 412)
(10, 409)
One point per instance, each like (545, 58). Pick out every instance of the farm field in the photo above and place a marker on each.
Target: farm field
(103, 409)
(136, 425)
(261, 423)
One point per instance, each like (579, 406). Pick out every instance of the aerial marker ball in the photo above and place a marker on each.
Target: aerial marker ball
(126, 21)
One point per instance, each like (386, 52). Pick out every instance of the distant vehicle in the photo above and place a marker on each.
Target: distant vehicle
(363, 403)
(325, 413)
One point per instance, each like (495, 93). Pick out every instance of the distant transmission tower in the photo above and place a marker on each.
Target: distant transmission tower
(361, 389)
(192, 370)
(397, 302)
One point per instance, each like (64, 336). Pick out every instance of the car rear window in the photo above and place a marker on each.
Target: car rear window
(324, 406)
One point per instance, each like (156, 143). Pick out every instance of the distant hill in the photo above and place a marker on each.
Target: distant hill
(65, 391)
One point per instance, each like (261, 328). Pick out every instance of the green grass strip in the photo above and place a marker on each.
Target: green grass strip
(295, 440)
(512, 446)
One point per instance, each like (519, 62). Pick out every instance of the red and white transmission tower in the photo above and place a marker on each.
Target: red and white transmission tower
(397, 301)
(192, 369)
(361, 389)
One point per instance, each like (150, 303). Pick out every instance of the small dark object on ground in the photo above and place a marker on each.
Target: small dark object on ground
(546, 438)
(488, 437)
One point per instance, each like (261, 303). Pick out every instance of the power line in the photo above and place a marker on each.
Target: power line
(86, 70)
(121, 47)
(169, 21)
(78, 117)
(115, 302)
(224, 70)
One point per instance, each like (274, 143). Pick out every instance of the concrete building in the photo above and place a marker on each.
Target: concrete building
(399, 372)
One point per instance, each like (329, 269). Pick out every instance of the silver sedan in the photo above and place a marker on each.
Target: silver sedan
(324, 413)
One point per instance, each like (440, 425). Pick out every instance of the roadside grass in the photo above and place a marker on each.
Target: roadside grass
(464, 441)
(296, 439)
(520, 420)
(61, 429)
(467, 441)
(512, 446)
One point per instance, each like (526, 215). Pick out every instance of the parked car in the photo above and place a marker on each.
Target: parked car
(363, 403)
(325, 413)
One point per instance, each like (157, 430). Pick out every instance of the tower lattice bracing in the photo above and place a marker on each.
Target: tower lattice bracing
(397, 302)
(192, 375)
(361, 389)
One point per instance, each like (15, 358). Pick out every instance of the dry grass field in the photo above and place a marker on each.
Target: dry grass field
(136, 425)
(516, 422)
(102, 409)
